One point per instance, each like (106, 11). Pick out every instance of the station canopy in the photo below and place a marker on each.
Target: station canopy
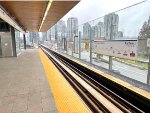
(37, 16)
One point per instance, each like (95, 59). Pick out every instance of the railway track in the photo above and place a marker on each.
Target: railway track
(99, 94)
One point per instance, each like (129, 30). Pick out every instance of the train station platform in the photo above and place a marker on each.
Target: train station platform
(30, 83)
(23, 85)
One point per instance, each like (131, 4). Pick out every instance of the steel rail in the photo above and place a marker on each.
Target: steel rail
(92, 101)
(103, 104)
(114, 98)
(124, 105)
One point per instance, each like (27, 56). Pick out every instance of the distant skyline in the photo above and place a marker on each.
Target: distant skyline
(130, 20)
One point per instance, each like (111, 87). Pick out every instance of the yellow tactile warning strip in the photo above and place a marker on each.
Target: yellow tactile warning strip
(66, 98)
(112, 78)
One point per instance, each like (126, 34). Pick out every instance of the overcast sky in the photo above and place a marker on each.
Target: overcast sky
(88, 10)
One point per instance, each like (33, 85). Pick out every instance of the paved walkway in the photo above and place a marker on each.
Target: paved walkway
(23, 85)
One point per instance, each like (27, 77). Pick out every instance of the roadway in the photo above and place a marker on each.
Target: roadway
(122, 68)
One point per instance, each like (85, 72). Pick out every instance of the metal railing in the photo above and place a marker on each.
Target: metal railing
(123, 25)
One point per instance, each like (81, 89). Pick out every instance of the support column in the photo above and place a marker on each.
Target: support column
(24, 40)
(13, 41)
(0, 47)
(110, 62)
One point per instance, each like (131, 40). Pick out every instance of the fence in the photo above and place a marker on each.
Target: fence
(115, 42)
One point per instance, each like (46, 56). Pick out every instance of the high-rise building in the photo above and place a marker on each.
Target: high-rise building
(98, 30)
(100, 27)
(72, 27)
(58, 31)
(120, 34)
(44, 36)
(61, 29)
(34, 37)
(49, 35)
(61, 26)
(94, 31)
(111, 26)
(86, 30)
(53, 32)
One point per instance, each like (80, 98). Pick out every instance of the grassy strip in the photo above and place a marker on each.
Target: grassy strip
(135, 63)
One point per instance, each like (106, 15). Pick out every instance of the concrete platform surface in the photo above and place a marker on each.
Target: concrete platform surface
(23, 85)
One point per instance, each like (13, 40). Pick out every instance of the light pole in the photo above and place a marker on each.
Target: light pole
(72, 44)
(79, 44)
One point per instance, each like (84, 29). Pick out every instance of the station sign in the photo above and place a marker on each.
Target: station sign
(126, 49)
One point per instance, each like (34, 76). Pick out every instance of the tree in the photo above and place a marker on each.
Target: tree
(145, 30)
